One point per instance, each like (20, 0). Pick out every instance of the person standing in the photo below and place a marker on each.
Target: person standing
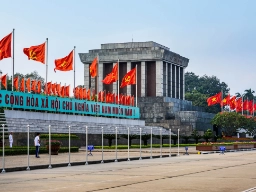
(37, 144)
(10, 139)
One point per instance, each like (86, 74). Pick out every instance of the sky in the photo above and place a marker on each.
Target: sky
(218, 37)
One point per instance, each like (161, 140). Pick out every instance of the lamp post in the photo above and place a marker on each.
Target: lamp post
(140, 144)
(116, 146)
(161, 143)
(178, 142)
(69, 146)
(3, 170)
(102, 145)
(128, 144)
(151, 143)
(50, 148)
(170, 142)
(28, 169)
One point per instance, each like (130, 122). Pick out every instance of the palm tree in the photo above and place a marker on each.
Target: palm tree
(238, 94)
(249, 94)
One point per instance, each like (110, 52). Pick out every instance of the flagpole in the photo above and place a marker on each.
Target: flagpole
(97, 87)
(46, 62)
(136, 85)
(242, 104)
(221, 100)
(12, 56)
(118, 83)
(74, 66)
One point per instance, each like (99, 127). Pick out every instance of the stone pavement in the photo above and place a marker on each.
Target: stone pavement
(22, 162)
(232, 172)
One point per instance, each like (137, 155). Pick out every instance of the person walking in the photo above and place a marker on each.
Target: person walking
(37, 144)
(10, 139)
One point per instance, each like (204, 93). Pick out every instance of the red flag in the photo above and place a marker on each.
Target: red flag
(128, 100)
(250, 106)
(4, 80)
(62, 91)
(84, 94)
(57, 89)
(67, 90)
(48, 88)
(28, 85)
(132, 100)
(232, 103)
(36, 53)
(22, 85)
(39, 87)
(99, 98)
(129, 78)
(111, 77)
(239, 104)
(5, 47)
(80, 93)
(53, 86)
(214, 99)
(225, 101)
(65, 63)
(93, 67)
(245, 105)
(16, 83)
(88, 95)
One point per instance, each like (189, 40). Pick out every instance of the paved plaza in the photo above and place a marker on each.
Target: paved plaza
(234, 171)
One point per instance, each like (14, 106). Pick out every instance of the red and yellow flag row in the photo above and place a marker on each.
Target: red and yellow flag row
(83, 94)
(233, 102)
(37, 53)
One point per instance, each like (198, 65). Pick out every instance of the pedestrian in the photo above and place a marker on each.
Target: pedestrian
(10, 139)
(37, 144)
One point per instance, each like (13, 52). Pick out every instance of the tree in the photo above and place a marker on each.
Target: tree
(229, 122)
(195, 135)
(163, 137)
(186, 138)
(207, 135)
(131, 137)
(33, 76)
(199, 99)
(145, 138)
(250, 125)
(109, 137)
(198, 89)
(249, 94)
(174, 138)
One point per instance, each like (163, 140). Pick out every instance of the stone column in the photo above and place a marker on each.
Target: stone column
(129, 86)
(171, 79)
(115, 83)
(86, 75)
(174, 96)
(143, 79)
(166, 79)
(159, 78)
(100, 71)
(179, 82)
(183, 83)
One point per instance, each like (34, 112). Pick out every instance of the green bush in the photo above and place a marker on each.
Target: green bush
(24, 151)
(58, 136)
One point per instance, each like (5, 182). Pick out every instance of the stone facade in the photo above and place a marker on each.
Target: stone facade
(160, 72)
(174, 114)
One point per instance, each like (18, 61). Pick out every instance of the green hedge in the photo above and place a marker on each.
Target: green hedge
(142, 146)
(58, 136)
(23, 150)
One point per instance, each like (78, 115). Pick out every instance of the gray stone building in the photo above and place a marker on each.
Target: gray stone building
(160, 83)
(160, 72)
